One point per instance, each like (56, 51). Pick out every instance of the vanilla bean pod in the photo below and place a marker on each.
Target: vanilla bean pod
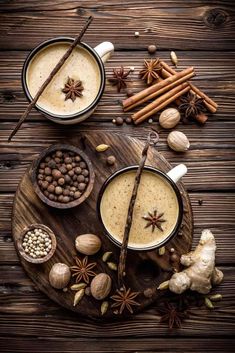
(152, 139)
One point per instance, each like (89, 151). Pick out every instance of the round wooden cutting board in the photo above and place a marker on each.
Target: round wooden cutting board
(144, 269)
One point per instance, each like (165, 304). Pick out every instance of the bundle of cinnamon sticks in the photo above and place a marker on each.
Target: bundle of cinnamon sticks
(168, 89)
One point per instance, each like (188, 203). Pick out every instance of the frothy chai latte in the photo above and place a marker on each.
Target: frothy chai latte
(154, 193)
(79, 66)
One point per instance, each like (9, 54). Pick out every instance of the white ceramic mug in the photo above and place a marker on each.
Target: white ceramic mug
(100, 53)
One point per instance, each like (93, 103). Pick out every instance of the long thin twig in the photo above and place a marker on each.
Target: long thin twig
(50, 77)
(153, 138)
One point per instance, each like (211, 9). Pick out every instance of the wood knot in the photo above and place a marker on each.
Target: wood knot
(215, 18)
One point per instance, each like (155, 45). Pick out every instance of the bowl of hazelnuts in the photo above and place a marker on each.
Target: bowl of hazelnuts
(62, 176)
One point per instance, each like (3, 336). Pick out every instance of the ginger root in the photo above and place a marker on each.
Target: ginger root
(201, 272)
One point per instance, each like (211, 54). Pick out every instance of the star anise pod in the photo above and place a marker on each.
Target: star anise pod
(150, 71)
(172, 316)
(119, 78)
(83, 270)
(73, 89)
(124, 299)
(191, 105)
(154, 220)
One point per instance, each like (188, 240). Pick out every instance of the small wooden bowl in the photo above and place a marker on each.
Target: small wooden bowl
(35, 167)
(28, 257)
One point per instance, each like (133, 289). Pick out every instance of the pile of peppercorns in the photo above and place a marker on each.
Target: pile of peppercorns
(37, 243)
(63, 176)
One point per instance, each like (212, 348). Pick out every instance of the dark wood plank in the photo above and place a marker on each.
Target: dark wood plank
(19, 302)
(217, 81)
(143, 345)
(154, 20)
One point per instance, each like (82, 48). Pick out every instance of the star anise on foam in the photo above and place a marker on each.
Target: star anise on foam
(172, 316)
(151, 70)
(73, 89)
(191, 105)
(154, 220)
(119, 78)
(83, 269)
(124, 299)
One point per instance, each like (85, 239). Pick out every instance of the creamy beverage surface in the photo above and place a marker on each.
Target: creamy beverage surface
(79, 66)
(154, 193)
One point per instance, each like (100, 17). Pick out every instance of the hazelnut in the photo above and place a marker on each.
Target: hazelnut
(41, 171)
(68, 160)
(58, 190)
(54, 183)
(51, 188)
(71, 173)
(47, 159)
(42, 165)
(61, 181)
(119, 121)
(80, 178)
(85, 172)
(59, 154)
(57, 160)
(72, 188)
(51, 197)
(48, 178)
(40, 177)
(66, 199)
(69, 166)
(56, 174)
(73, 164)
(75, 183)
(81, 186)
(63, 169)
(77, 194)
(77, 170)
(48, 171)
(77, 158)
(74, 177)
(111, 160)
(44, 185)
(82, 165)
(60, 198)
(66, 192)
(71, 193)
(46, 193)
(86, 180)
(67, 178)
(52, 164)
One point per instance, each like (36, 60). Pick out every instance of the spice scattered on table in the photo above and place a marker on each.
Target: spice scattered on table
(83, 269)
(169, 118)
(87, 244)
(119, 78)
(110, 160)
(152, 48)
(151, 70)
(63, 176)
(174, 58)
(37, 243)
(101, 286)
(59, 275)
(137, 34)
(124, 298)
(178, 141)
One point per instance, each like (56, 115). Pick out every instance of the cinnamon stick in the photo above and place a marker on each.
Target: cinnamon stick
(50, 77)
(153, 138)
(211, 105)
(157, 89)
(160, 103)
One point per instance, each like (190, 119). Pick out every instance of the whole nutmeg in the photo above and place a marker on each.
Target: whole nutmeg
(59, 275)
(178, 141)
(88, 244)
(101, 286)
(169, 118)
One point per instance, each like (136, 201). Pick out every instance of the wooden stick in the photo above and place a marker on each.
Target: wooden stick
(209, 103)
(159, 100)
(50, 77)
(168, 98)
(157, 89)
(153, 138)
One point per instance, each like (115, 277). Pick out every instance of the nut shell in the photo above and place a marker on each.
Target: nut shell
(59, 275)
(169, 118)
(178, 141)
(88, 244)
(101, 286)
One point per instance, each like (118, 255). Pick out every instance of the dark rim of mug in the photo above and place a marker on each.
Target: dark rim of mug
(173, 185)
(50, 42)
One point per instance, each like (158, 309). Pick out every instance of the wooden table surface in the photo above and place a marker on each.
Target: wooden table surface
(202, 34)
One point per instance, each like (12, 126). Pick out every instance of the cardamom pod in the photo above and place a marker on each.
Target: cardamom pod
(104, 307)
(174, 58)
(112, 266)
(161, 251)
(208, 303)
(102, 147)
(106, 256)
(216, 297)
(78, 296)
(163, 285)
(78, 286)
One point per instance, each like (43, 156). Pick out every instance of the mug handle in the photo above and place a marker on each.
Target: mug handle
(104, 50)
(177, 172)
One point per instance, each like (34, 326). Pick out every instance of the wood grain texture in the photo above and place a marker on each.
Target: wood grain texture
(153, 20)
(66, 223)
(202, 34)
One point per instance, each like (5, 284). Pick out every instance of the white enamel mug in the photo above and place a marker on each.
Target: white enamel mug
(100, 53)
